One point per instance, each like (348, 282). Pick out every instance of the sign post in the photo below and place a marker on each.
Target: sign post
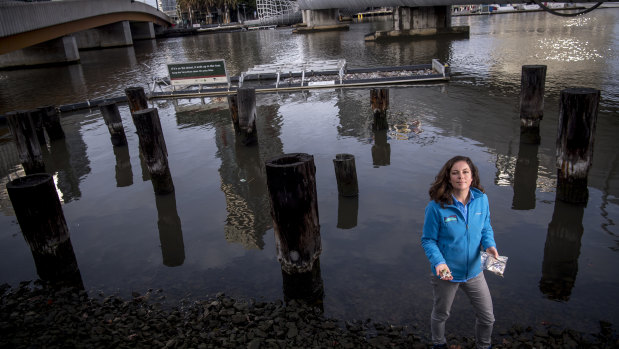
(199, 73)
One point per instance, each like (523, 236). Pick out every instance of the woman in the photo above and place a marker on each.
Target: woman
(457, 223)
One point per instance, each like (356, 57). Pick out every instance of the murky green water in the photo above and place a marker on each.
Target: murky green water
(215, 233)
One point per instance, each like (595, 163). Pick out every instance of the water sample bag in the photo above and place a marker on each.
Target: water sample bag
(492, 264)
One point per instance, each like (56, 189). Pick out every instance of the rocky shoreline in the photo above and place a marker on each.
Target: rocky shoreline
(33, 315)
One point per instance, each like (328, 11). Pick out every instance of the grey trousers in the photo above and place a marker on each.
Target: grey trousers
(477, 291)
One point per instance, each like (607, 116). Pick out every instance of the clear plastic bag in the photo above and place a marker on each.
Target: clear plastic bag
(492, 264)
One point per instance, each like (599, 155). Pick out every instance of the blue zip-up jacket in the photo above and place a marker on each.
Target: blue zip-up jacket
(448, 239)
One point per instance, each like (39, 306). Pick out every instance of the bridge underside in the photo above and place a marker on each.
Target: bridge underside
(59, 44)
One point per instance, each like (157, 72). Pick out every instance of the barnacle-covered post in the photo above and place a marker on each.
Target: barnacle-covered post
(152, 145)
(39, 213)
(379, 99)
(576, 134)
(532, 86)
(111, 116)
(28, 146)
(291, 180)
(246, 103)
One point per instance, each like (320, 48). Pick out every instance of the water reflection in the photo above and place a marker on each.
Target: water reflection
(347, 211)
(124, 174)
(307, 287)
(381, 150)
(243, 177)
(561, 251)
(525, 175)
(67, 166)
(170, 232)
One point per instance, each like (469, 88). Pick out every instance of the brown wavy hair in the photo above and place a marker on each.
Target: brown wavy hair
(440, 190)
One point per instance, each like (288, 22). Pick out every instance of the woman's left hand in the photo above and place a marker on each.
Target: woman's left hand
(493, 252)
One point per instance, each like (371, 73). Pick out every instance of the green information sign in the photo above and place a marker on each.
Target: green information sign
(196, 73)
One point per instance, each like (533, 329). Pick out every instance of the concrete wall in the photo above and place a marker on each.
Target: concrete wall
(111, 35)
(407, 18)
(58, 51)
(325, 17)
(142, 30)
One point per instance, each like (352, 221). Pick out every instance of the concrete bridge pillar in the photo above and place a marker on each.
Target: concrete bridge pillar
(142, 30)
(420, 21)
(321, 20)
(110, 35)
(62, 50)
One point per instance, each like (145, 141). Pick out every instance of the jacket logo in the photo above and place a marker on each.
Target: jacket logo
(478, 213)
(450, 218)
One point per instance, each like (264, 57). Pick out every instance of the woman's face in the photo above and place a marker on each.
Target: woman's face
(460, 176)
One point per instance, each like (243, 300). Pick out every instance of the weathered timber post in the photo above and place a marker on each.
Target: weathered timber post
(152, 145)
(170, 232)
(136, 98)
(561, 251)
(347, 211)
(246, 102)
(234, 111)
(51, 122)
(137, 101)
(36, 117)
(39, 213)
(532, 86)
(379, 99)
(576, 135)
(28, 147)
(114, 122)
(346, 174)
(291, 180)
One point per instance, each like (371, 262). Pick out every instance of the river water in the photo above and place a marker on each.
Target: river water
(215, 232)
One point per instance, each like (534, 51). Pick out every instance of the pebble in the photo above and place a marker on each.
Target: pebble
(33, 315)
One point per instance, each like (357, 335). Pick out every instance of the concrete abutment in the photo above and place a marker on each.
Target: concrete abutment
(419, 22)
(62, 50)
(111, 35)
(321, 20)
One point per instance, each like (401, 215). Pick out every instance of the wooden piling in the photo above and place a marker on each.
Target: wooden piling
(234, 110)
(246, 102)
(346, 174)
(111, 116)
(137, 101)
(51, 122)
(36, 117)
(39, 213)
(152, 145)
(575, 138)
(532, 86)
(136, 98)
(379, 99)
(28, 146)
(291, 180)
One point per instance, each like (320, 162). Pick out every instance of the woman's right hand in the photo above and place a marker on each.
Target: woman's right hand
(443, 272)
